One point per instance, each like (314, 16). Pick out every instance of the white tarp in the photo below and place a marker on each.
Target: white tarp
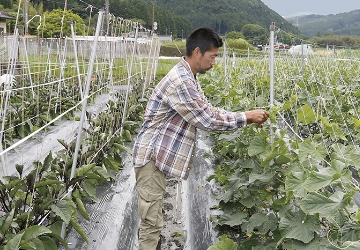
(304, 49)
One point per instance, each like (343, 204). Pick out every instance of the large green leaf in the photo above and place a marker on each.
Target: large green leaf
(333, 130)
(90, 189)
(81, 171)
(314, 203)
(299, 226)
(61, 240)
(249, 163)
(229, 137)
(351, 245)
(118, 158)
(13, 183)
(306, 114)
(225, 196)
(19, 169)
(111, 163)
(79, 229)
(295, 183)
(224, 244)
(48, 243)
(8, 221)
(47, 161)
(48, 182)
(123, 148)
(232, 220)
(309, 149)
(35, 231)
(257, 146)
(262, 222)
(56, 227)
(320, 179)
(39, 245)
(282, 159)
(14, 243)
(249, 201)
(62, 209)
(319, 243)
(265, 177)
(349, 154)
(104, 173)
(82, 209)
(271, 246)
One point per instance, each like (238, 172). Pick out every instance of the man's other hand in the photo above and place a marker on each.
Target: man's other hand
(258, 116)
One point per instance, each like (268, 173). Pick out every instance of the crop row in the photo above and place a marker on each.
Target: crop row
(293, 184)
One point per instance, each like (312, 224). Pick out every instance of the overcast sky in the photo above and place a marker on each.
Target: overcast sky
(289, 7)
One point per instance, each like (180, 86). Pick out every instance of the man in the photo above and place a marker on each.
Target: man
(166, 140)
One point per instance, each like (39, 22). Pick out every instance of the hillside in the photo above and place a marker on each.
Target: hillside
(176, 17)
(340, 24)
(224, 15)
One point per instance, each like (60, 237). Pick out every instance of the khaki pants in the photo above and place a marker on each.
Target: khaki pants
(150, 184)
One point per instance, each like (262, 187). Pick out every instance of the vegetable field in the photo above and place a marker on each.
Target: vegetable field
(68, 106)
(293, 184)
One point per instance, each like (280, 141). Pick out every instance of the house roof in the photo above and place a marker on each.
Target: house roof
(5, 16)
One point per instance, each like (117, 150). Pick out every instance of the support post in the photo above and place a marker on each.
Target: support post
(147, 76)
(8, 92)
(76, 58)
(302, 57)
(83, 111)
(271, 57)
(28, 66)
(129, 79)
(224, 57)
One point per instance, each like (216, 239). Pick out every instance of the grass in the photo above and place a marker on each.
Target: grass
(165, 66)
(173, 48)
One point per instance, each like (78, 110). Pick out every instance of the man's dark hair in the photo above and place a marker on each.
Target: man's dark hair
(204, 38)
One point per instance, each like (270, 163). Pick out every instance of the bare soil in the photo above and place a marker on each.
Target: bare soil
(173, 235)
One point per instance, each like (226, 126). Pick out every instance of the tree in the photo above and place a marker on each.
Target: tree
(251, 31)
(54, 27)
(5, 4)
(234, 35)
(255, 33)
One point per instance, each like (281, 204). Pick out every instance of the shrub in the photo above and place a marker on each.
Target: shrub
(239, 44)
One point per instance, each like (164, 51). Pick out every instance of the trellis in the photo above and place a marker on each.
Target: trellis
(61, 67)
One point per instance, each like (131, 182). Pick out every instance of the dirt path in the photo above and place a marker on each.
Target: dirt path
(187, 205)
(114, 220)
(174, 237)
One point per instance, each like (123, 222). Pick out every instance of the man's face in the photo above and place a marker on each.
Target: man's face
(206, 61)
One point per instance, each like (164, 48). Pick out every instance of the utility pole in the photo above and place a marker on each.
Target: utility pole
(26, 17)
(152, 28)
(107, 16)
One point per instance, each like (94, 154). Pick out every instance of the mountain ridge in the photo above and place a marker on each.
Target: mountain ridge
(346, 23)
(225, 15)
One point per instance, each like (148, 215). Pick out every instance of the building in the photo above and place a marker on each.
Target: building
(3, 18)
(165, 38)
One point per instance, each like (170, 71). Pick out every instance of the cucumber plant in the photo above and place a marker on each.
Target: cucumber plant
(292, 184)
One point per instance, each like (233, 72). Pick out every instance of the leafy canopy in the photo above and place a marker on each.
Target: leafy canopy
(57, 23)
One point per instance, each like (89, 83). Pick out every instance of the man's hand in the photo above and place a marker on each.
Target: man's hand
(258, 116)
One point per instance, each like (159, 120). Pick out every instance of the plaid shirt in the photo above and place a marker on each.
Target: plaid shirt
(175, 109)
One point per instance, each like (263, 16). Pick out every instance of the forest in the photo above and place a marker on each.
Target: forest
(226, 15)
(178, 18)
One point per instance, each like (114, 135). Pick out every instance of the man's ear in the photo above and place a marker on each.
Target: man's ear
(197, 51)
